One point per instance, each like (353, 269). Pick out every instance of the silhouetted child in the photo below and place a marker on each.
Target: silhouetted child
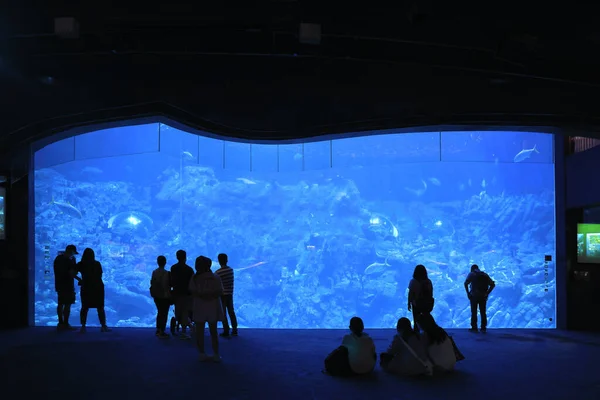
(206, 289)
(356, 355)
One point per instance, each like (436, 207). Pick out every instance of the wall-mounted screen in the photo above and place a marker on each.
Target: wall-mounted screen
(588, 243)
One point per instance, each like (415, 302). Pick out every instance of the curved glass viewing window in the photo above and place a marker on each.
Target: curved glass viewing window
(316, 232)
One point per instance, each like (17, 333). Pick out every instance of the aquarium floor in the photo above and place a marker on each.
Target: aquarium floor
(284, 364)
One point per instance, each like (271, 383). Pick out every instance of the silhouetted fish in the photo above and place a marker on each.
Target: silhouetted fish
(258, 264)
(67, 208)
(525, 154)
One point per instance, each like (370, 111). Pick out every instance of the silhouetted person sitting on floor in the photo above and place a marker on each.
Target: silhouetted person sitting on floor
(406, 355)
(356, 355)
(65, 272)
(420, 295)
(206, 289)
(160, 290)
(226, 275)
(480, 285)
(181, 273)
(92, 289)
(440, 347)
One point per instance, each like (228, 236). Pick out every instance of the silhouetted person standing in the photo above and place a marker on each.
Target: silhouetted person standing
(92, 289)
(478, 285)
(226, 275)
(160, 290)
(65, 271)
(181, 274)
(420, 295)
(207, 290)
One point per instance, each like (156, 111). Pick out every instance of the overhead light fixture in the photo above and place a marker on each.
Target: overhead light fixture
(310, 33)
(66, 28)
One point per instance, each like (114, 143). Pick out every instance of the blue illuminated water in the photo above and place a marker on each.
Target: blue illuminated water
(317, 232)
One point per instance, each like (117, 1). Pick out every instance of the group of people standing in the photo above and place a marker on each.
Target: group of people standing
(201, 297)
(478, 286)
(417, 350)
(66, 272)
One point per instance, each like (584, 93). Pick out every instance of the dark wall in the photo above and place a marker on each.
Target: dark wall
(583, 280)
(15, 283)
(583, 186)
(561, 262)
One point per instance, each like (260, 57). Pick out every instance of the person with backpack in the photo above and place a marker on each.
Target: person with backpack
(478, 285)
(420, 295)
(160, 290)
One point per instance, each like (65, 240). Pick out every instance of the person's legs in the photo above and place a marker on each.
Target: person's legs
(83, 317)
(162, 306)
(66, 314)
(483, 312)
(182, 311)
(232, 317)
(177, 302)
(60, 309)
(65, 299)
(224, 302)
(473, 314)
(200, 340)
(214, 338)
(102, 318)
(158, 314)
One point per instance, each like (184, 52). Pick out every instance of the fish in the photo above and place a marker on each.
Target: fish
(67, 208)
(376, 267)
(111, 220)
(417, 192)
(525, 154)
(258, 264)
(187, 155)
(434, 181)
(246, 181)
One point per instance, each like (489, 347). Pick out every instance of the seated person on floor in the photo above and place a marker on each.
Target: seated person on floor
(406, 355)
(440, 347)
(356, 355)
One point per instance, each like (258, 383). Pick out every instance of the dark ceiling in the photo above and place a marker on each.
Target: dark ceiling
(241, 71)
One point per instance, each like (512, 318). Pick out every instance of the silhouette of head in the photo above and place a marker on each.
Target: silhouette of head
(88, 255)
(357, 326)
(222, 259)
(71, 250)
(474, 267)
(203, 264)
(403, 325)
(181, 256)
(161, 261)
(420, 273)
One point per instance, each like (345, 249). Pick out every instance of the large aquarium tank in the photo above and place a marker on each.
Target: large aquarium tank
(317, 232)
